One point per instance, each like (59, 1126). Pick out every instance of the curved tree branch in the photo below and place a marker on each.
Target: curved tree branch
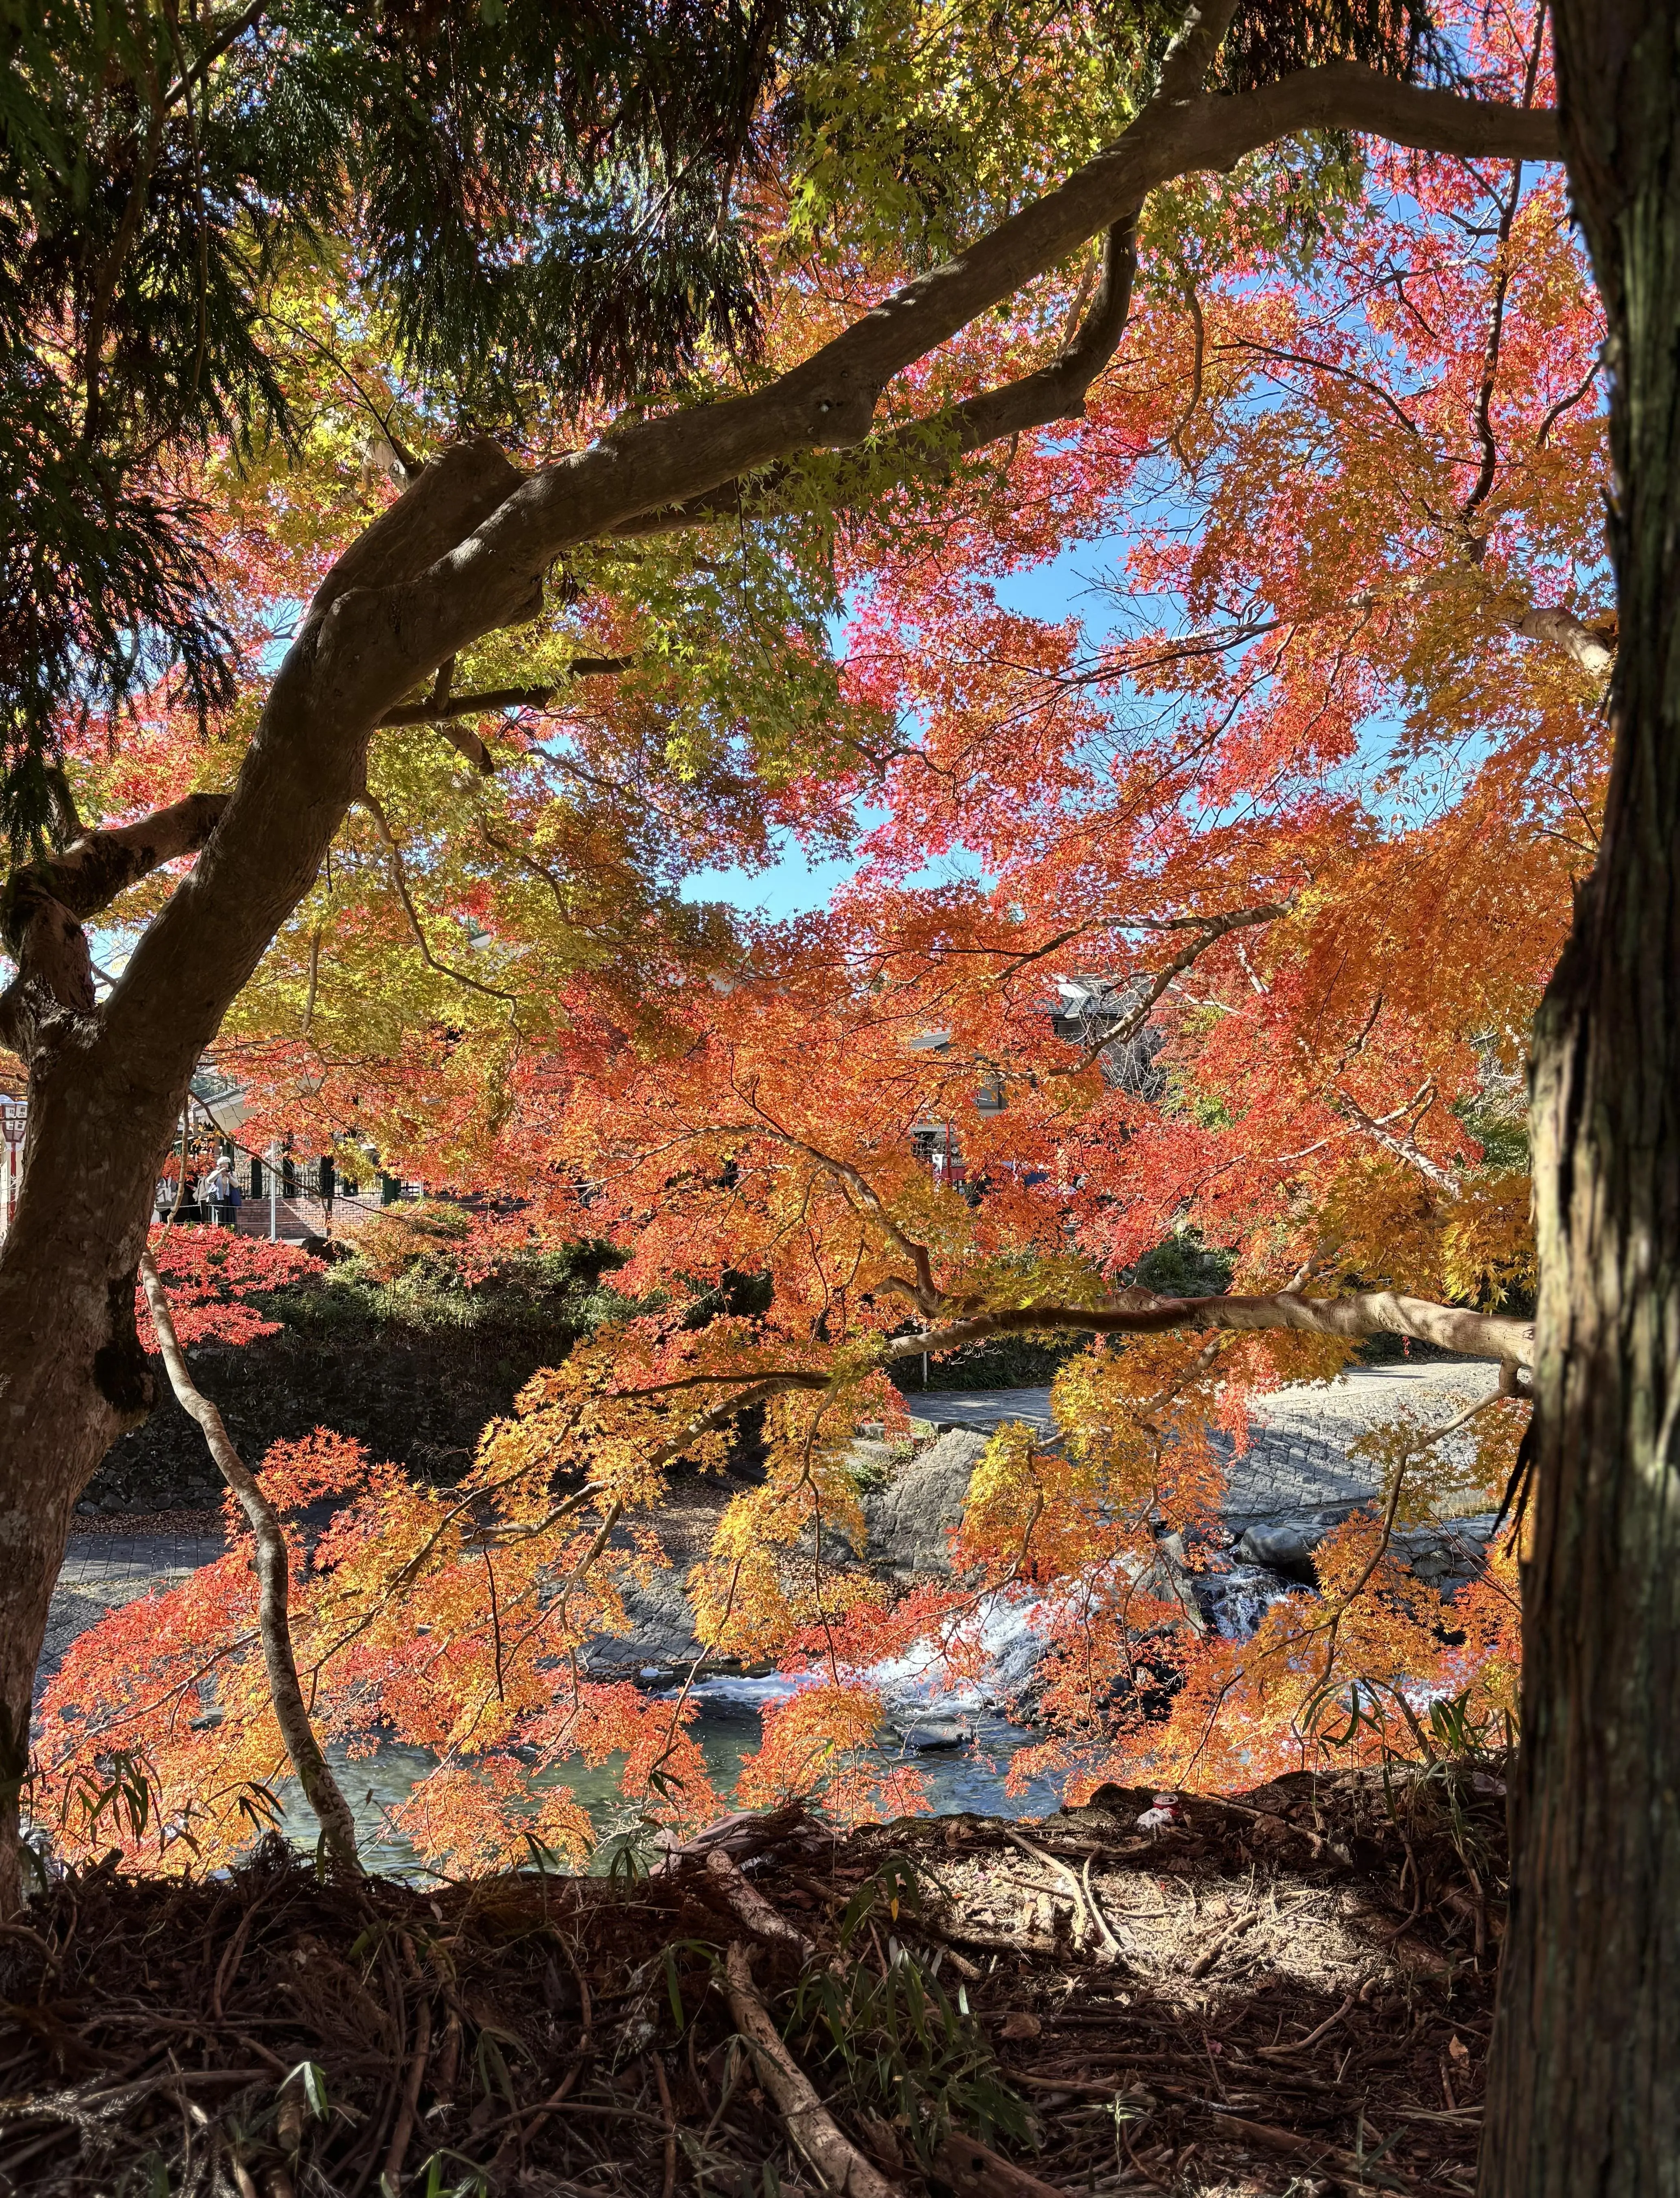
(321, 1790)
(828, 402)
(1209, 930)
(46, 902)
(400, 878)
(464, 551)
(1592, 647)
(935, 445)
(1357, 1314)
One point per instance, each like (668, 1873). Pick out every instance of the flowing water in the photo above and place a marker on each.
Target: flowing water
(969, 1777)
(1237, 1599)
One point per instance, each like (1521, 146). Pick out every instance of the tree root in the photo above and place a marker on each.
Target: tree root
(755, 1910)
(973, 2170)
(1084, 1900)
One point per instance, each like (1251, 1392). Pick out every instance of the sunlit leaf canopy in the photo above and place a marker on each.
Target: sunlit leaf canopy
(732, 718)
(541, 207)
(1265, 700)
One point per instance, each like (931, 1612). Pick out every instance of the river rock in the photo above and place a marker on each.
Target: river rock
(661, 1628)
(1285, 1546)
(871, 1461)
(911, 1518)
(1447, 1556)
(934, 1736)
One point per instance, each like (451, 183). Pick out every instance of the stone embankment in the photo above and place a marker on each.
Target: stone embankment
(1296, 1480)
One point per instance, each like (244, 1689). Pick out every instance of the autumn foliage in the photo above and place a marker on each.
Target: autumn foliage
(1250, 726)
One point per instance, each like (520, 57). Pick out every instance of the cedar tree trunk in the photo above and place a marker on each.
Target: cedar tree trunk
(1585, 2093)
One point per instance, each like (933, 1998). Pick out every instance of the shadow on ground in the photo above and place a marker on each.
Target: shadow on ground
(1286, 1992)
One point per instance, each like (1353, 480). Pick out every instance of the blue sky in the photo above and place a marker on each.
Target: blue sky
(796, 885)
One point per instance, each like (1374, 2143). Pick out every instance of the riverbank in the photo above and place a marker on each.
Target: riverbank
(1288, 1991)
(1299, 1475)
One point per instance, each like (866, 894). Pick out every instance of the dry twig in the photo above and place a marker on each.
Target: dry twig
(812, 2128)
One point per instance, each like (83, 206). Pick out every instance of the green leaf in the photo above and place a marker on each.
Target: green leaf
(313, 2078)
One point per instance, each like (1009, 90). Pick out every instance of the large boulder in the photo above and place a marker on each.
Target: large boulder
(1448, 1555)
(934, 1736)
(1284, 1546)
(911, 1517)
(661, 1628)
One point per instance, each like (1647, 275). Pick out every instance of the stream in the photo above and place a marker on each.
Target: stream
(968, 1778)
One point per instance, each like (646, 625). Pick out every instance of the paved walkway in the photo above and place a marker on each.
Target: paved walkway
(102, 1572)
(1297, 1459)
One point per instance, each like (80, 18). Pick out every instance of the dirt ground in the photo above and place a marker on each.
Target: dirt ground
(1287, 1993)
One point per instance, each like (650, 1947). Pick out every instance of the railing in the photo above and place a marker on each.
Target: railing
(286, 1200)
(281, 1197)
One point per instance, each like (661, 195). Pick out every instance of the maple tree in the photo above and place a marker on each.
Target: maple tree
(1322, 1060)
(1402, 474)
(103, 1110)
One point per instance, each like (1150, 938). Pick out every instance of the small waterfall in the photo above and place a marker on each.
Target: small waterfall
(1236, 1600)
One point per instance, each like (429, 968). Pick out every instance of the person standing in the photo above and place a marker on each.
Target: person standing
(220, 1193)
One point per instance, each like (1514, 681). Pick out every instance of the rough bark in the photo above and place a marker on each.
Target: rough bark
(1584, 2084)
(72, 1376)
(47, 901)
(463, 552)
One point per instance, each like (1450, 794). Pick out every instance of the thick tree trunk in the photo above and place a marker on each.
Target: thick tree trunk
(108, 1081)
(1585, 2081)
(72, 1375)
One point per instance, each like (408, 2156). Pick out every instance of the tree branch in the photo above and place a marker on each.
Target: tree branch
(839, 2166)
(442, 709)
(399, 875)
(1405, 1148)
(88, 876)
(439, 712)
(230, 33)
(1561, 629)
(1211, 929)
(828, 402)
(46, 902)
(321, 1790)
(1358, 1313)
(936, 444)
(464, 551)
(1487, 472)
(1192, 53)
